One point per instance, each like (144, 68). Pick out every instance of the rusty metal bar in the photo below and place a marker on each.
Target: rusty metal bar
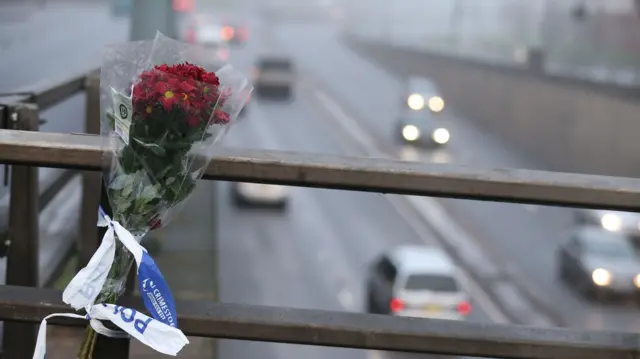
(19, 339)
(353, 173)
(62, 91)
(49, 95)
(353, 330)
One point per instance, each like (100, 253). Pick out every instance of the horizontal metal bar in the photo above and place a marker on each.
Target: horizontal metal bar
(51, 96)
(353, 173)
(352, 330)
(48, 95)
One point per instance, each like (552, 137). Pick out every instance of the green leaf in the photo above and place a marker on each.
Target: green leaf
(149, 193)
(128, 187)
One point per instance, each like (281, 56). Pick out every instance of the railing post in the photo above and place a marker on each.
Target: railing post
(19, 339)
(88, 240)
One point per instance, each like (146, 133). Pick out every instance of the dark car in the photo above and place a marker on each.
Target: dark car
(422, 95)
(274, 76)
(421, 122)
(597, 262)
(422, 131)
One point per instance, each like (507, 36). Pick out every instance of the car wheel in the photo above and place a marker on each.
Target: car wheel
(287, 93)
(371, 306)
(561, 272)
(398, 134)
(282, 205)
(589, 292)
(238, 199)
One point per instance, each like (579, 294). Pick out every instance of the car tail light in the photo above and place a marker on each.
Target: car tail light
(227, 33)
(464, 308)
(396, 305)
(183, 5)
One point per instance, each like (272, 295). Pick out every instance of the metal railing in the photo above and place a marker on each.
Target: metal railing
(26, 150)
(32, 194)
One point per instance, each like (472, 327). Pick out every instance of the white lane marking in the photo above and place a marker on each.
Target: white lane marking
(345, 298)
(350, 125)
(427, 208)
(477, 292)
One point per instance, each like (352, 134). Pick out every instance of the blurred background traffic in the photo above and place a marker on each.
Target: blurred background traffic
(535, 84)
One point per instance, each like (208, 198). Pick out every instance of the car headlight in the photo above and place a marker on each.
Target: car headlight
(601, 277)
(611, 222)
(441, 136)
(636, 281)
(410, 133)
(436, 104)
(415, 102)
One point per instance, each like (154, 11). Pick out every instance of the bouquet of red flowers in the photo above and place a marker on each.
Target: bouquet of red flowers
(162, 116)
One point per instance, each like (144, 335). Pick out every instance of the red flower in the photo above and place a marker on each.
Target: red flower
(184, 87)
(193, 121)
(155, 223)
(221, 117)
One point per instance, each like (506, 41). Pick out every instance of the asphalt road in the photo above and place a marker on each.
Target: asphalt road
(316, 254)
(520, 238)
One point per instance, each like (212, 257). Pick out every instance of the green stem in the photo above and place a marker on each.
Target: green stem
(113, 288)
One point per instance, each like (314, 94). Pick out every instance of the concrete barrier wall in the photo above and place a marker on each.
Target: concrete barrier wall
(565, 124)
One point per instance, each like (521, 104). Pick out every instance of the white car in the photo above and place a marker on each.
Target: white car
(260, 195)
(209, 37)
(416, 281)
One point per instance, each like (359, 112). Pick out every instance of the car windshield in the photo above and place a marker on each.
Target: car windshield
(436, 283)
(420, 85)
(610, 249)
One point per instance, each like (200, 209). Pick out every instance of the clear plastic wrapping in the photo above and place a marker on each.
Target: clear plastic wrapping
(161, 119)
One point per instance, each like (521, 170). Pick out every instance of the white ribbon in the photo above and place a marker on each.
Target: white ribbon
(155, 334)
(84, 288)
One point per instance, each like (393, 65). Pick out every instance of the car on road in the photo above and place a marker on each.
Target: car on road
(421, 115)
(417, 130)
(215, 50)
(598, 262)
(416, 281)
(274, 76)
(627, 223)
(260, 195)
(234, 34)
